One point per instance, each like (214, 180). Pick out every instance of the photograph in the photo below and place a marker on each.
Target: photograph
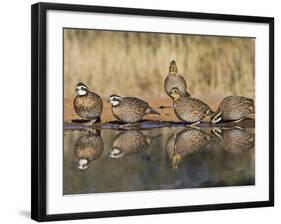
(146, 111)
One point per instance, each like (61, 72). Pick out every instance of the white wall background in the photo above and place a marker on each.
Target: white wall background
(15, 110)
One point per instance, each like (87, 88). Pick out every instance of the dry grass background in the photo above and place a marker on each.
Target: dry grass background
(130, 63)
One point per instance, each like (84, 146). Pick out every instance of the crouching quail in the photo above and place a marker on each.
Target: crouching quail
(130, 109)
(235, 109)
(189, 109)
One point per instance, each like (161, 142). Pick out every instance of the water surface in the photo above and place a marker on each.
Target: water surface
(162, 158)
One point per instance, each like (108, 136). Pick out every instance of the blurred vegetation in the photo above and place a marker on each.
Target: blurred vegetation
(131, 63)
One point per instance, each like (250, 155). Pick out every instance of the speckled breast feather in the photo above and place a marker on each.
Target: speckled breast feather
(88, 106)
(172, 81)
(89, 147)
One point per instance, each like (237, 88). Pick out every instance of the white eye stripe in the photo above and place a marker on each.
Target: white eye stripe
(116, 98)
(81, 87)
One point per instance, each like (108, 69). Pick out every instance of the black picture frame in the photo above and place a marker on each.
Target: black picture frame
(38, 108)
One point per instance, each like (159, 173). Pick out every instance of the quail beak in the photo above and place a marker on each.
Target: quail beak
(187, 94)
(108, 99)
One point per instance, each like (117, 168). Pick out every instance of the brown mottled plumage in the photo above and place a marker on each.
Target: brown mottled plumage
(235, 140)
(174, 79)
(186, 142)
(130, 109)
(189, 109)
(234, 108)
(87, 104)
(129, 142)
(87, 148)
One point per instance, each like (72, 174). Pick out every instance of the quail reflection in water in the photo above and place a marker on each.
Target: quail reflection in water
(87, 148)
(234, 140)
(129, 142)
(138, 160)
(186, 142)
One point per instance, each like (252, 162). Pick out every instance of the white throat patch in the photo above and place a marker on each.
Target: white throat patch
(81, 92)
(115, 101)
(116, 153)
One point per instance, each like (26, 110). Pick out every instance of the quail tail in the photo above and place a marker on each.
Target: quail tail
(150, 110)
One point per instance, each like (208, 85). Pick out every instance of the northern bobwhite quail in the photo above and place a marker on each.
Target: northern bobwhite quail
(87, 104)
(88, 147)
(235, 140)
(129, 142)
(189, 109)
(174, 79)
(234, 108)
(184, 143)
(130, 109)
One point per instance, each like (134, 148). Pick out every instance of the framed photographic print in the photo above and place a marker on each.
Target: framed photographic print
(140, 111)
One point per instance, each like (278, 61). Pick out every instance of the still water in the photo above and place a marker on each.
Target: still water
(111, 160)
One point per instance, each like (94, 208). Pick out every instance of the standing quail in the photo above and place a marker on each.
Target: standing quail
(234, 108)
(87, 104)
(130, 109)
(174, 79)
